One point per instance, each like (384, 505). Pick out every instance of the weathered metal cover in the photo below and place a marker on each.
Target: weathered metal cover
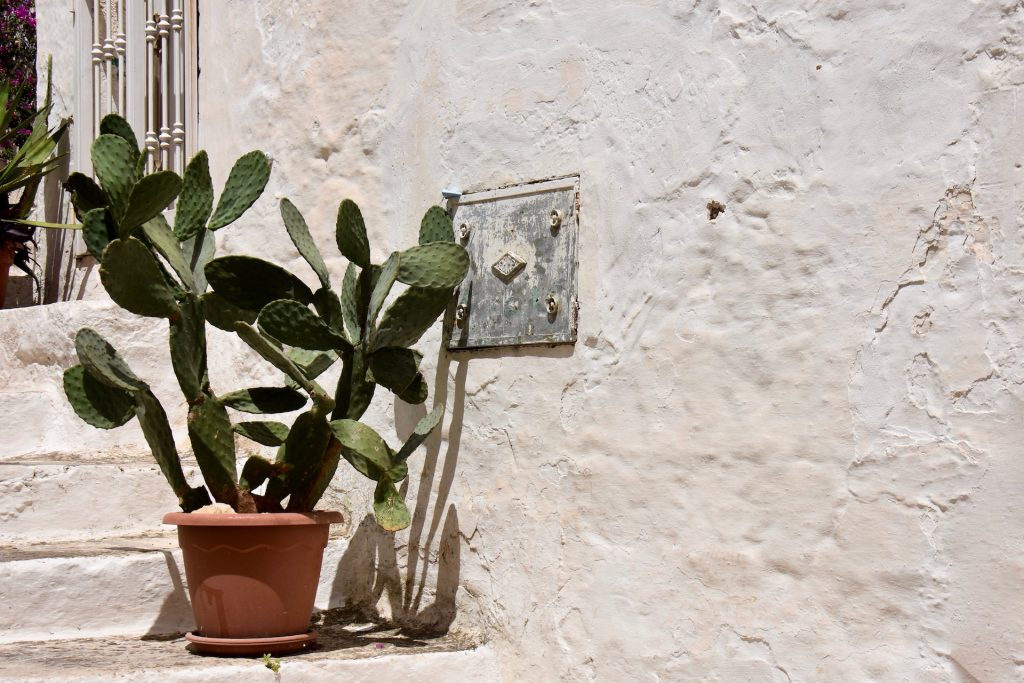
(521, 286)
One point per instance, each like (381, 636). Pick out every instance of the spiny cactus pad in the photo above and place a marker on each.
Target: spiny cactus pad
(198, 251)
(257, 469)
(436, 226)
(395, 368)
(209, 430)
(273, 355)
(86, 195)
(411, 314)
(363, 448)
(328, 307)
(96, 231)
(245, 184)
(100, 405)
(263, 432)
(297, 229)
(385, 281)
(416, 392)
(102, 361)
(113, 160)
(263, 400)
(223, 314)
(292, 323)
(351, 300)
(390, 510)
(420, 433)
(351, 234)
(134, 279)
(159, 234)
(439, 265)
(303, 450)
(151, 195)
(196, 200)
(112, 124)
(252, 283)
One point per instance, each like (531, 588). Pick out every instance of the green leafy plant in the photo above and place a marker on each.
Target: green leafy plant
(22, 170)
(152, 268)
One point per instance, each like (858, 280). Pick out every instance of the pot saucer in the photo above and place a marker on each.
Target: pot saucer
(241, 647)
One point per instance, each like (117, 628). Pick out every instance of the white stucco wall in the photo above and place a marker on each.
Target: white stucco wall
(786, 446)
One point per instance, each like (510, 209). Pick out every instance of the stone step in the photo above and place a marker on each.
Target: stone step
(125, 586)
(65, 501)
(345, 651)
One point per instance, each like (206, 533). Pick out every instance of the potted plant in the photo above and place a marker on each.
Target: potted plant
(26, 157)
(252, 572)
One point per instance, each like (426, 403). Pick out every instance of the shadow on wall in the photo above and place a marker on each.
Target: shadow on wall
(369, 568)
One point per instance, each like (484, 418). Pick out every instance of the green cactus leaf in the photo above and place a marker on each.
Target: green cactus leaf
(195, 203)
(416, 392)
(292, 323)
(398, 472)
(352, 298)
(135, 281)
(439, 265)
(97, 231)
(159, 234)
(420, 433)
(411, 314)
(273, 355)
(266, 433)
(151, 195)
(388, 507)
(252, 283)
(198, 251)
(328, 307)
(351, 234)
(304, 451)
(86, 195)
(395, 368)
(245, 184)
(381, 288)
(263, 400)
(113, 160)
(99, 405)
(363, 448)
(209, 430)
(102, 361)
(140, 163)
(223, 314)
(112, 124)
(436, 226)
(297, 229)
(257, 470)
(361, 389)
(310, 492)
(188, 348)
(312, 363)
(158, 435)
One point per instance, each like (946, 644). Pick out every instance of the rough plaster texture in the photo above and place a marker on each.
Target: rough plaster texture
(786, 447)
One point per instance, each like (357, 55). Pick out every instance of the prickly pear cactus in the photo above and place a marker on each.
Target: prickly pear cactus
(153, 269)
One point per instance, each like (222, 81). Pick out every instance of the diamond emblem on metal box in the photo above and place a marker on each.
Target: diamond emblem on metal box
(508, 265)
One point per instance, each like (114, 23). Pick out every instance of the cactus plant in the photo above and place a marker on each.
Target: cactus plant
(152, 269)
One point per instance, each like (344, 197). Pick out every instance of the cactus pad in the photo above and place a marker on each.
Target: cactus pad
(151, 195)
(245, 184)
(294, 324)
(436, 226)
(158, 435)
(223, 314)
(420, 433)
(159, 234)
(351, 298)
(209, 430)
(297, 229)
(97, 229)
(381, 288)
(196, 199)
(263, 400)
(135, 281)
(439, 265)
(86, 195)
(100, 405)
(252, 283)
(113, 160)
(328, 307)
(395, 368)
(351, 234)
(276, 357)
(112, 124)
(199, 251)
(388, 507)
(257, 470)
(266, 433)
(411, 314)
(363, 448)
(416, 392)
(102, 361)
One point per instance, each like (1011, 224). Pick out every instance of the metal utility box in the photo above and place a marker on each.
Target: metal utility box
(521, 286)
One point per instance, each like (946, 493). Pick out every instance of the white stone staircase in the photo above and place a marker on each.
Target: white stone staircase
(92, 586)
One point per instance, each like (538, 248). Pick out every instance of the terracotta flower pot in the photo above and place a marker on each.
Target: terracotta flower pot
(252, 578)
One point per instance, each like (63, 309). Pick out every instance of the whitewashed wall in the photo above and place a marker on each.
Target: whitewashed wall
(787, 444)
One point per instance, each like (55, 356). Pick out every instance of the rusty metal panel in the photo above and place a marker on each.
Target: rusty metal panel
(521, 286)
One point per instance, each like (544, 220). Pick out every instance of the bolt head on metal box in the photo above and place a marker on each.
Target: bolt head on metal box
(521, 286)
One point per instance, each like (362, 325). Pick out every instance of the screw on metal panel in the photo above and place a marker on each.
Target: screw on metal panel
(460, 314)
(556, 219)
(464, 230)
(551, 303)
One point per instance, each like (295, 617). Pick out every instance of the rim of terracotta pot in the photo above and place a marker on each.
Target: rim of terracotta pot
(254, 519)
